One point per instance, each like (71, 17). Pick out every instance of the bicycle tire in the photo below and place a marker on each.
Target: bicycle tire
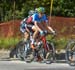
(70, 53)
(27, 52)
(13, 51)
(51, 53)
(20, 50)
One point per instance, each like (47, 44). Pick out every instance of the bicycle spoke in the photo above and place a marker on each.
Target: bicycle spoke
(70, 53)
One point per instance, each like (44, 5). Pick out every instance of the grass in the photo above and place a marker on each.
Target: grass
(60, 43)
(6, 43)
(63, 30)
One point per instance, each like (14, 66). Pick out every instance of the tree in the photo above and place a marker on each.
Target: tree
(64, 8)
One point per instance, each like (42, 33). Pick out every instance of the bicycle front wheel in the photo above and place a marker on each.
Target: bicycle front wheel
(50, 56)
(70, 52)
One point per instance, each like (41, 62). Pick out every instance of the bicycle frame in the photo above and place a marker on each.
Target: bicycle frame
(43, 38)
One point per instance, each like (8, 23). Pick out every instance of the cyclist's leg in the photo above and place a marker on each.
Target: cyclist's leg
(35, 51)
(35, 34)
(25, 32)
(26, 36)
(36, 31)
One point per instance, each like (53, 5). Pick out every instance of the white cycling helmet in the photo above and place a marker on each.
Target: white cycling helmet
(31, 12)
(36, 10)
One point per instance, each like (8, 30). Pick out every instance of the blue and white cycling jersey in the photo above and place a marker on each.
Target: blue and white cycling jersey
(23, 26)
(38, 19)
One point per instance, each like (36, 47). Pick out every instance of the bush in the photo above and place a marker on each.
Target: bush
(6, 43)
(60, 43)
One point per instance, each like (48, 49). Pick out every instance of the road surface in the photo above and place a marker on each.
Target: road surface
(15, 64)
(21, 65)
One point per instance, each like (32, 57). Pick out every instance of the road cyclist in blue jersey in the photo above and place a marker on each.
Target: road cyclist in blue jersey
(36, 23)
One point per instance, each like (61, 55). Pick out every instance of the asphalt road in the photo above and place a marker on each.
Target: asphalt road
(8, 64)
(14, 64)
(21, 65)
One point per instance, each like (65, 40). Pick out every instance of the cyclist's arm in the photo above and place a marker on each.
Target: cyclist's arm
(37, 26)
(36, 21)
(47, 24)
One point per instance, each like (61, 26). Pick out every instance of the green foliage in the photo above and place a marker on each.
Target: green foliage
(60, 43)
(64, 8)
(18, 9)
(63, 30)
(6, 43)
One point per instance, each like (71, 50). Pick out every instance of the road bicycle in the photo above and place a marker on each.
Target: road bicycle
(45, 49)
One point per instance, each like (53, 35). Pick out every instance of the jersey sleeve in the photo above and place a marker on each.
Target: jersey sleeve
(45, 18)
(29, 20)
(35, 17)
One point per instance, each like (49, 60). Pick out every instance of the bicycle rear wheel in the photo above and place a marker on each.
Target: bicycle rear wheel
(24, 51)
(20, 50)
(70, 52)
(27, 54)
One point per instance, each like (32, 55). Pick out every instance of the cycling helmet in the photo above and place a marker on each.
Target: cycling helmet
(36, 10)
(41, 10)
(31, 12)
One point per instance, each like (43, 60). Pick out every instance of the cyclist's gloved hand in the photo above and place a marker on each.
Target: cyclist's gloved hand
(54, 32)
(42, 33)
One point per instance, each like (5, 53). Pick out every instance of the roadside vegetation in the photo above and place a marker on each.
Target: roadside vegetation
(18, 9)
(59, 43)
(8, 43)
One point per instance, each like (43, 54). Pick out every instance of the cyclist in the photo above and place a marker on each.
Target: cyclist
(40, 24)
(23, 27)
